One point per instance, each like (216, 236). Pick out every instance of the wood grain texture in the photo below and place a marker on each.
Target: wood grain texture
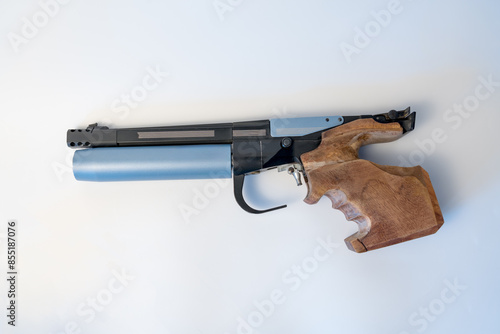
(390, 204)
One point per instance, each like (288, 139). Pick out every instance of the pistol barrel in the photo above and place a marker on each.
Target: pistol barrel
(174, 162)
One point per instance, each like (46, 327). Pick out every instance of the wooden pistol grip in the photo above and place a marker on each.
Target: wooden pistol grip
(390, 204)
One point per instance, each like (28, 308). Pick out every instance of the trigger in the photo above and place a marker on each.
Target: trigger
(293, 169)
(296, 175)
(238, 194)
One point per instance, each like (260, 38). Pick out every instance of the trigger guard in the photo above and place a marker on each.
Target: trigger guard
(238, 194)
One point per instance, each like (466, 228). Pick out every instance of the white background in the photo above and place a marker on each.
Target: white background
(205, 272)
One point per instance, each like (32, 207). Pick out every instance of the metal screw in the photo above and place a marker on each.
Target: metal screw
(286, 142)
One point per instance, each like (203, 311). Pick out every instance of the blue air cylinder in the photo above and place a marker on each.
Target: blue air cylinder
(153, 163)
